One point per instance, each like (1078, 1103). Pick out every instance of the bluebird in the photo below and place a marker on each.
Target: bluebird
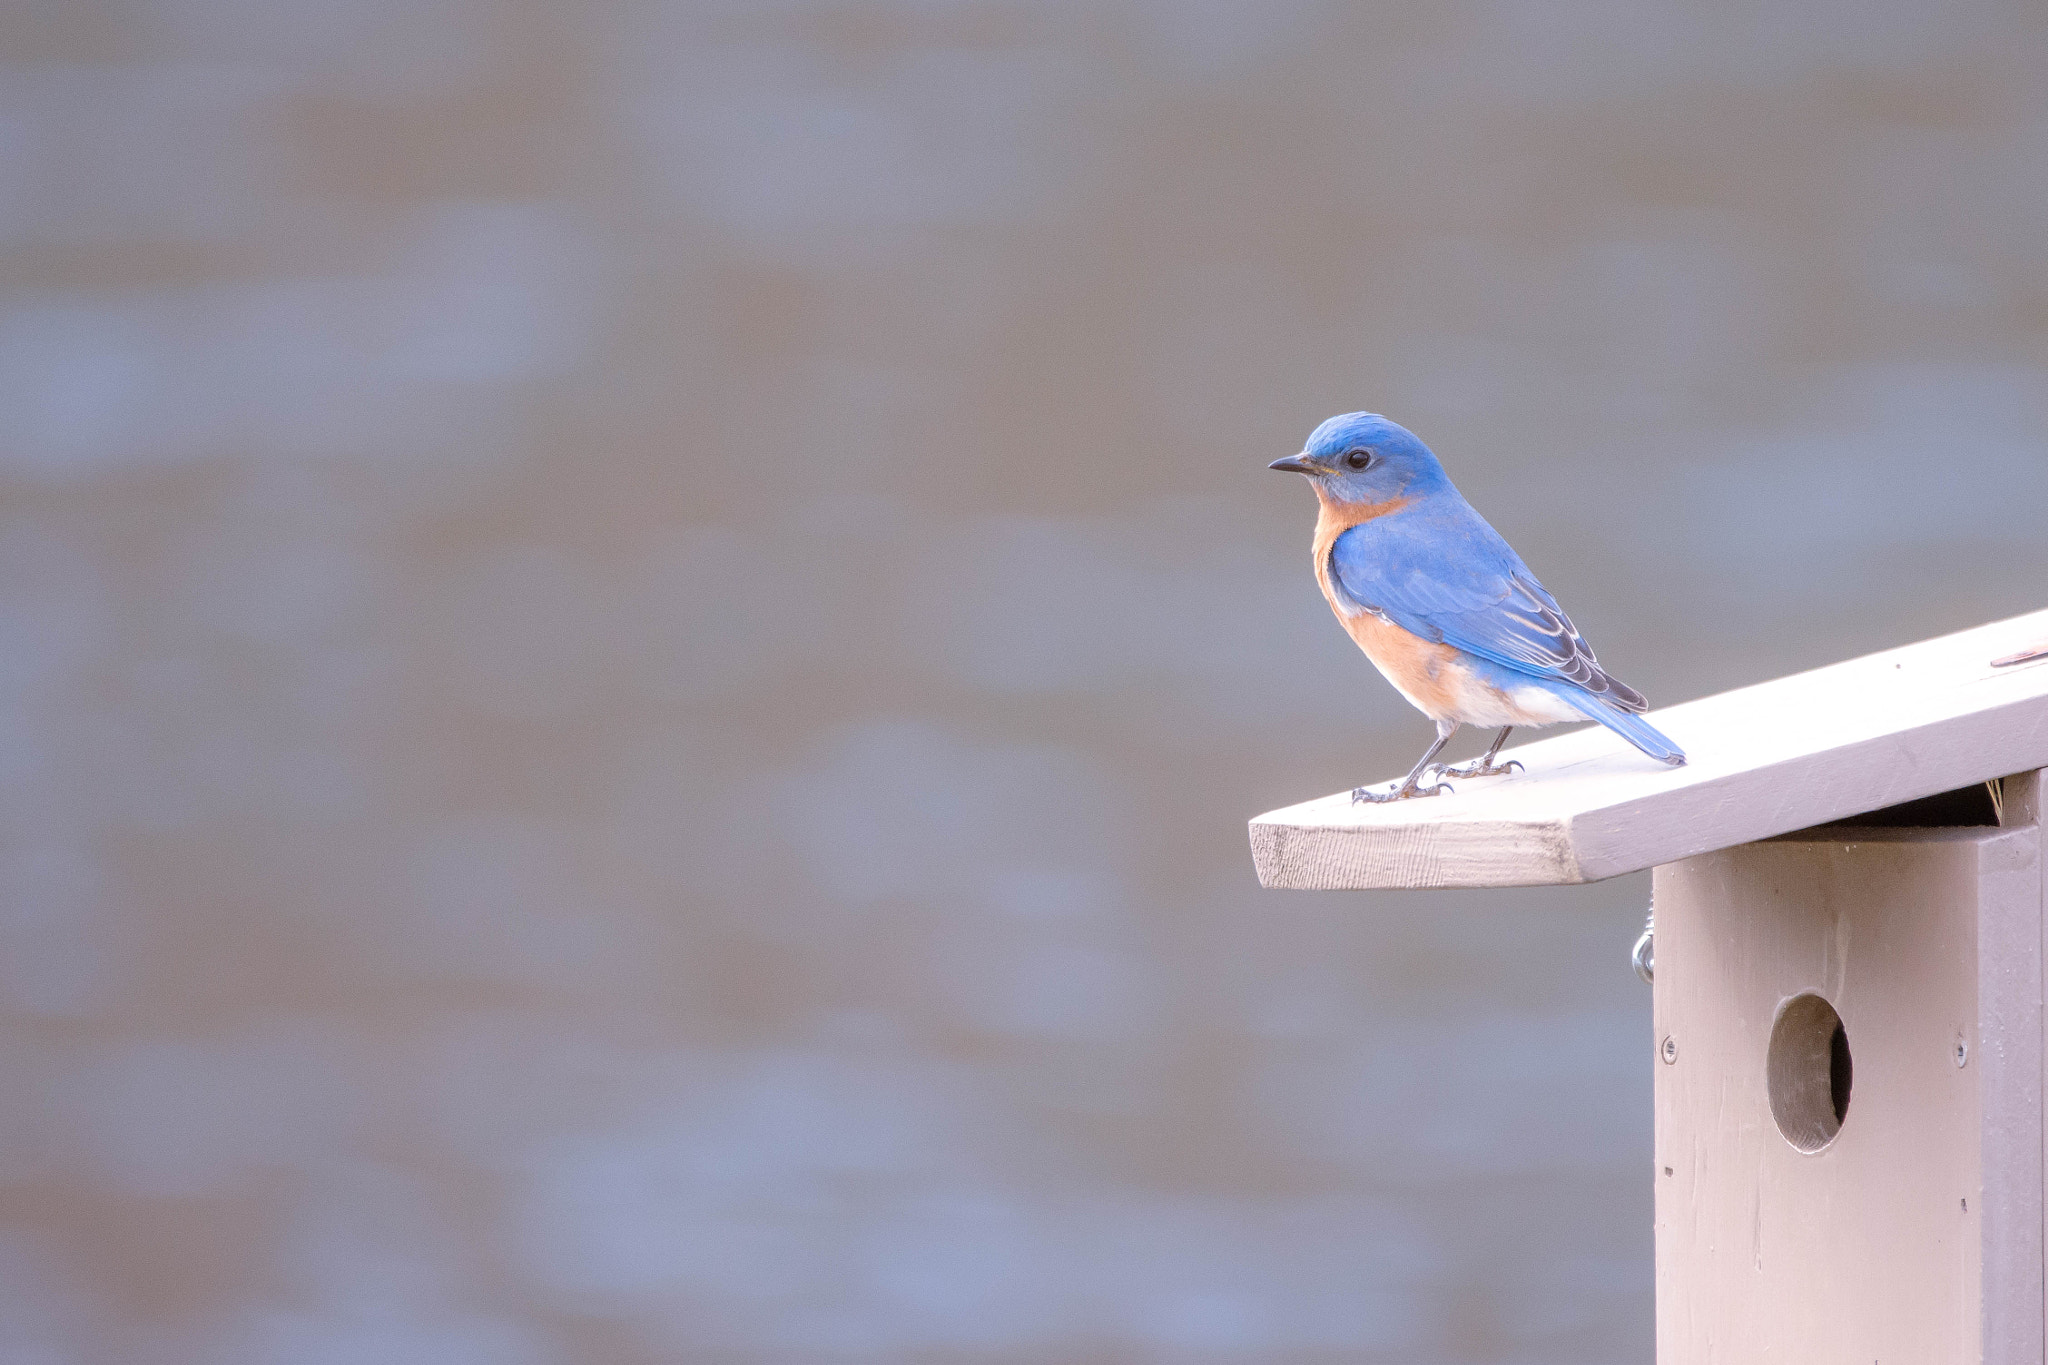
(1442, 606)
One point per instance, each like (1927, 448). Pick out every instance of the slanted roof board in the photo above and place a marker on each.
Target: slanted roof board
(1765, 760)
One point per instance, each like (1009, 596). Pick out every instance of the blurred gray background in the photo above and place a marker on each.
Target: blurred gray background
(636, 641)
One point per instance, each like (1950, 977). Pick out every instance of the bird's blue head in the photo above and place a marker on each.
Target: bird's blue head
(1362, 457)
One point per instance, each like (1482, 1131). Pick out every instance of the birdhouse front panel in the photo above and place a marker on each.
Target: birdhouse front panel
(1847, 1046)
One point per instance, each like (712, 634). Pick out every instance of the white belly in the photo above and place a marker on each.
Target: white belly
(1480, 703)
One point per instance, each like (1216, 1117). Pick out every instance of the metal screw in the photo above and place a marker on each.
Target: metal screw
(1643, 958)
(1670, 1050)
(1962, 1051)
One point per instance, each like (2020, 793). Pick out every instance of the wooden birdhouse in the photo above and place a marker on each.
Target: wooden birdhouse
(1847, 1037)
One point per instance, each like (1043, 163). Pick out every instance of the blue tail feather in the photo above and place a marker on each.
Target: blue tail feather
(1628, 725)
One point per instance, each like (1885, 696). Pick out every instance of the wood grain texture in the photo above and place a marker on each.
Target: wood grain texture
(1765, 760)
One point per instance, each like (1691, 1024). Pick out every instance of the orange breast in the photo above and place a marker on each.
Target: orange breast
(1428, 674)
(1424, 672)
(1333, 519)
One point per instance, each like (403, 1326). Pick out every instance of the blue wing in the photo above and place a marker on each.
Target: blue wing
(1446, 575)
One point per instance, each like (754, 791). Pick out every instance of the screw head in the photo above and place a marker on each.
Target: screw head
(1669, 1052)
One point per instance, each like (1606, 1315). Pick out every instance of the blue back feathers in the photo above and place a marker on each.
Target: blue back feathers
(1432, 565)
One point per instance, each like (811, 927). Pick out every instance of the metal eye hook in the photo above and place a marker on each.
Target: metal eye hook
(1643, 959)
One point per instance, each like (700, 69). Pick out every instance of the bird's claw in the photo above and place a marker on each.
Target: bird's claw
(1406, 792)
(1479, 768)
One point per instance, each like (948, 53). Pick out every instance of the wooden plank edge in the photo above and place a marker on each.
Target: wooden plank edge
(1609, 841)
(1294, 857)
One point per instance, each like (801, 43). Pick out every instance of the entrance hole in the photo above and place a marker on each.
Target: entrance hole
(1808, 1072)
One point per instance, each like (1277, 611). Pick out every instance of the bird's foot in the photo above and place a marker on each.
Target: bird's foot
(1406, 791)
(1479, 768)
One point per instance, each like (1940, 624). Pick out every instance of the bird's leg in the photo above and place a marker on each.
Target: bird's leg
(1485, 767)
(1408, 788)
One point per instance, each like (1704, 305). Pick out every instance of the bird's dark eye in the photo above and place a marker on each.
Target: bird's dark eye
(1358, 459)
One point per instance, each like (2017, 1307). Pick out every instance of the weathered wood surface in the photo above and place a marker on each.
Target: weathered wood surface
(1916, 1233)
(1764, 760)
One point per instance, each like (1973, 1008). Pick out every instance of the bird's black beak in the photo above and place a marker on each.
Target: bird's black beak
(1293, 464)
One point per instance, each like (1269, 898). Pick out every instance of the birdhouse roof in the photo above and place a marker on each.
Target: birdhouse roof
(1765, 760)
